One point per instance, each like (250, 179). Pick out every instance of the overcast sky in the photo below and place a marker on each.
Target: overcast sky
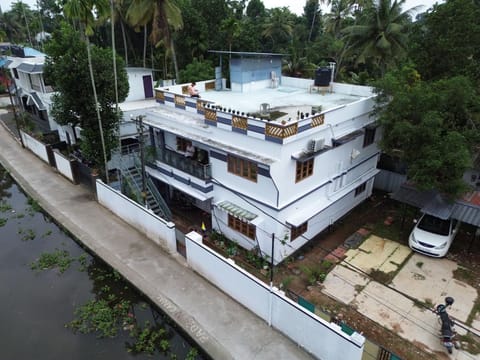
(296, 6)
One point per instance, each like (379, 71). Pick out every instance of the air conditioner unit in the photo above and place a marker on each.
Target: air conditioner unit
(315, 145)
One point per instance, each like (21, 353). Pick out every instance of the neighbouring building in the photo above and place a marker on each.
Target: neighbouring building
(276, 159)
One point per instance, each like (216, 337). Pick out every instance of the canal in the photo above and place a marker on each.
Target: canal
(57, 301)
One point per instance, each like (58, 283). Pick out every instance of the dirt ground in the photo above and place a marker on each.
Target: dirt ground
(387, 218)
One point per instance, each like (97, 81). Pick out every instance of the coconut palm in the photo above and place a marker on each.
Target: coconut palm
(279, 25)
(381, 33)
(118, 16)
(86, 12)
(163, 14)
(334, 20)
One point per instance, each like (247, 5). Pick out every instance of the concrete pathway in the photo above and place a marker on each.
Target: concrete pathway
(221, 326)
(426, 279)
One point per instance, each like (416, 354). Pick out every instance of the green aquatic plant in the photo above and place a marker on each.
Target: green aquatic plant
(103, 317)
(28, 235)
(34, 206)
(4, 206)
(60, 259)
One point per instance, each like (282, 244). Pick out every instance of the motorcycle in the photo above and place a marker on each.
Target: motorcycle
(447, 332)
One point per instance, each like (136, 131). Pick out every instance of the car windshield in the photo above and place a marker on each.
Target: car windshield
(434, 225)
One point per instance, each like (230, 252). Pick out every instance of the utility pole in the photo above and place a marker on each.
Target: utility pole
(15, 115)
(270, 304)
(140, 127)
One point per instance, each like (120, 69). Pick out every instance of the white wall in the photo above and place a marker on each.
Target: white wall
(159, 230)
(35, 146)
(64, 165)
(135, 81)
(322, 339)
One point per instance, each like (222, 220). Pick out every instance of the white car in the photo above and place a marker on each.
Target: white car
(433, 236)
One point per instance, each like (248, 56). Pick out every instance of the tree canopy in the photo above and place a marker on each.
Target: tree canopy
(430, 126)
(73, 103)
(426, 70)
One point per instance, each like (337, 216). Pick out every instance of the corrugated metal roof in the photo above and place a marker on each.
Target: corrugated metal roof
(466, 213)
(431, 202)
(30, 68)
(236, 210)
(411, 196)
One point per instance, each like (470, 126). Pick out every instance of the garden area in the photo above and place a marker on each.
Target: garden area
(302, 274)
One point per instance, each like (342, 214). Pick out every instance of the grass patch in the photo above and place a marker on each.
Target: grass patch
(381, 276)
(423, 305)
(317, 273)
(475, 310)
(463, 274)
(470, 343)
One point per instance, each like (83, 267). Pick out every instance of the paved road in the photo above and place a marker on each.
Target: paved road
(221, 326)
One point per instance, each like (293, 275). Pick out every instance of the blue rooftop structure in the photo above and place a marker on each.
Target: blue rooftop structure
(31, 52)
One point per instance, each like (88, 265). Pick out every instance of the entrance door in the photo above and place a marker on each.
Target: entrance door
(147, 86)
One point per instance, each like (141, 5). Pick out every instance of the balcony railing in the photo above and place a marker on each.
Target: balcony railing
(187, 165)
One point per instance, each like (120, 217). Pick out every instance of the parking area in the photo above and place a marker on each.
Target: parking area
(416, 283)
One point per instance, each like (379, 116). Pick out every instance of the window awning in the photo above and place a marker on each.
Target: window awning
(236, 210)
(34, 99)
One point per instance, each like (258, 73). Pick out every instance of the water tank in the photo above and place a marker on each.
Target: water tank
(323, 76)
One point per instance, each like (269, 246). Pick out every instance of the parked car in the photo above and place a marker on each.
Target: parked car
(433, 236)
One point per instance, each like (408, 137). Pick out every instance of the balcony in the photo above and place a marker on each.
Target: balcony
(179, 161)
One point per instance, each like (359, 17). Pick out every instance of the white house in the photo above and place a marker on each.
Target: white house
(34, 94)
(276, 157)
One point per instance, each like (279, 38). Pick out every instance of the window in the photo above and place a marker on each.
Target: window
(296, 231)
(242, 167)
(304, 169)
(15, 73)
(369, 137)
(360, 189)
(182, 144)
(241, 226)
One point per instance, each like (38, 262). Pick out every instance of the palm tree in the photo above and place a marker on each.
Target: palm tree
(163, 14)
(381, 35)
(339, 11)
(86, 12)
(279, 25)
(118, 16)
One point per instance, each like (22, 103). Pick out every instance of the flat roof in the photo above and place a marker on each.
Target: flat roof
(284, 99)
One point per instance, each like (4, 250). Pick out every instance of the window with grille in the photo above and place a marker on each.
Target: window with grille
(296, 231)
(241, 226)
(304, 169)
(242, 167)
(369, 137)
(360, 189)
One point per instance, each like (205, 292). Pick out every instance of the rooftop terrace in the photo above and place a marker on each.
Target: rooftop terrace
(290, 98)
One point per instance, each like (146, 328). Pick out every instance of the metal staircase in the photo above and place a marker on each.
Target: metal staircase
(132, 183)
